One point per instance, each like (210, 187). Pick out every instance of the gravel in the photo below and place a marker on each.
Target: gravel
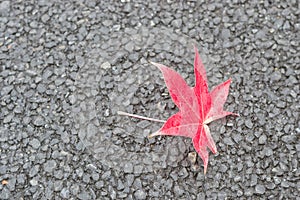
(66, 68)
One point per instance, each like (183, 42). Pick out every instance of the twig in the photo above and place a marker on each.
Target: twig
(140, 117)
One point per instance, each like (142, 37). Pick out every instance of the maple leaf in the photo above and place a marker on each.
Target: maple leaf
(197, 108)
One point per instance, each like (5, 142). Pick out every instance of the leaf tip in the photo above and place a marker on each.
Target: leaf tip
(235, 114)
(153, 63)
(195, 48)
(150, 136)
(159, 66)
(157, 133)
(205, 169)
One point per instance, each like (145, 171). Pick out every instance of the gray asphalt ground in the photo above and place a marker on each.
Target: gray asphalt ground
(67, 67)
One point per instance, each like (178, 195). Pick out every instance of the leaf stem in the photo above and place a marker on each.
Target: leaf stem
(140, 117)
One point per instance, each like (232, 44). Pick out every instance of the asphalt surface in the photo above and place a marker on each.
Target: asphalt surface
(67, 67)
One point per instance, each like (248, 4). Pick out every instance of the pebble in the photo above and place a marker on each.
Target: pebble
(228, 141)
(225, 33)
(276, 76)
(65, 193)
(288, 139)
(178, 191)
(262, 139)
(129, 179)
(72, 99)
(6, 90)
(49, 166)
(106, 65)
(8, 118)
(4, 7)
(260, 189)
(128, 167)
(253, 179)
(84, 195)
(177, 23)
(45, 18)
(58, 185)
(249, 123)
(140, 194)
(3, 169)
(34, 170)
(38, 121)
(33, 182)
(129, 47)
(35, 143)
(80, 61)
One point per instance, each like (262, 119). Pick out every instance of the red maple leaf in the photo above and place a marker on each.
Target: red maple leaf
(197, 108)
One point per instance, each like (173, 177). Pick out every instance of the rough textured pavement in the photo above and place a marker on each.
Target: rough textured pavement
(66, 68)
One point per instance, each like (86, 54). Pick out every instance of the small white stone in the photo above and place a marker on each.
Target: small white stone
(106, 65)
(33, 182)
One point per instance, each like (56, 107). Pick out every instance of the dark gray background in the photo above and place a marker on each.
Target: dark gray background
(67, 67)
